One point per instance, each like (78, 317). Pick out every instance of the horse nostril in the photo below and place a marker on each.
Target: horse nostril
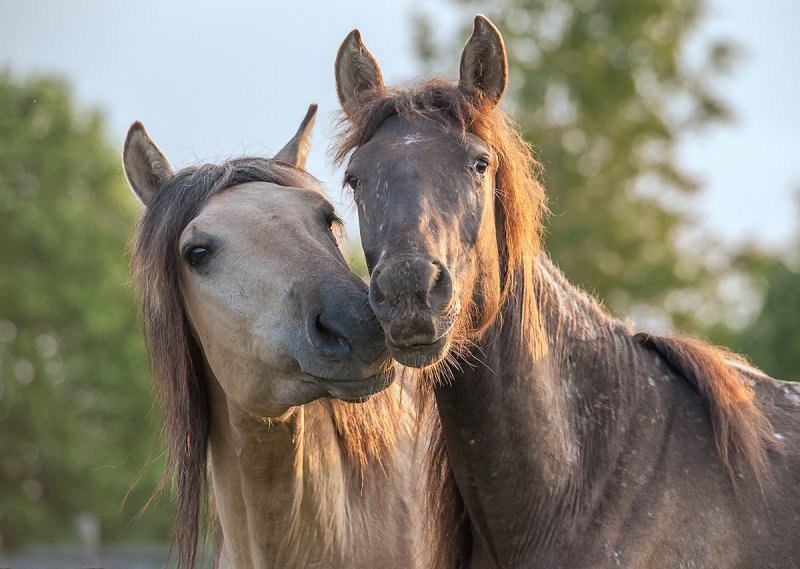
(325, 332)
(326, 338)
(441, 289)
(377, 296)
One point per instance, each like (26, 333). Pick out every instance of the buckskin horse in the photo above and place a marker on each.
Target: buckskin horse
(255, 325)
(567, 440)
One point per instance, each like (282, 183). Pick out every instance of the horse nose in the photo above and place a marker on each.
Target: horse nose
(342, 328)
(412, 284)
(327, 334)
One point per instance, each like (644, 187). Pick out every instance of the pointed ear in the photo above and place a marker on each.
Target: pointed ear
(483, 61)
(356, 69)
(145, 166)
(296, 150)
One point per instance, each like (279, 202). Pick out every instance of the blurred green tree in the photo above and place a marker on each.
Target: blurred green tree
(75, 403)
(603, 89)
(771, 338)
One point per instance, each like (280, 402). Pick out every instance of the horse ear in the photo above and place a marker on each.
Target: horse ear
(483, 61)
(146, 167)
(356, 69)
(296, 150)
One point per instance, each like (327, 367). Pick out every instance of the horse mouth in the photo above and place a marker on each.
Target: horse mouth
(358, 390)
(419, 355)
(429, 345)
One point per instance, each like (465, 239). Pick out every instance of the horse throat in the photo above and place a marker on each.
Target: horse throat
(279, 491)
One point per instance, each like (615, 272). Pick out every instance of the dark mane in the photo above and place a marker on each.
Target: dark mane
(176, 362)
(741, 430)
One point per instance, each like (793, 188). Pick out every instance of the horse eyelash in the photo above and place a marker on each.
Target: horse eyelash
(350, 181)
(333, 220)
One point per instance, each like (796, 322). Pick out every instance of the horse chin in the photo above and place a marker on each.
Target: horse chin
(359, 390)
(421, 355)
(422, 350)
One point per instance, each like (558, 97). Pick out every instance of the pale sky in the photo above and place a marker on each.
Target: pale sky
(210, 81)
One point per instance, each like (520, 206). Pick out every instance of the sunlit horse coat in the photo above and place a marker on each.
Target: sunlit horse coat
(567, 440)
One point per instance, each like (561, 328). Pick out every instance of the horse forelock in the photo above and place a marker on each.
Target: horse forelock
(176, 363)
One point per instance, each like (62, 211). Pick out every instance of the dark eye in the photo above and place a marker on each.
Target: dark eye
(351, 181)
(197, 256)
(480, 165)
(332, 219)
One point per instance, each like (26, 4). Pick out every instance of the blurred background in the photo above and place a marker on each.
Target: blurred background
(668, 130)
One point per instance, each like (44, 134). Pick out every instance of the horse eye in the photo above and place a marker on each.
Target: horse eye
(351, 181)
(197, 256)
(480, 165)
(332, 219)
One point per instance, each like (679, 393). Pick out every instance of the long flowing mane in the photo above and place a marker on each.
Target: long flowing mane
(367, 431)
(740, 427)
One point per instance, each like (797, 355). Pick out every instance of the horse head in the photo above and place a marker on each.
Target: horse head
(423, 172)
(269, 299)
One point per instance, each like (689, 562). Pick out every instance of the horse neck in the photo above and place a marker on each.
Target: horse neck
(558, 358)
(519, 426)
(278, 485)
(583, 355)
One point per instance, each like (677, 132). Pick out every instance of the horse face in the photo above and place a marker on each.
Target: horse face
(271, 301)
(423, 193)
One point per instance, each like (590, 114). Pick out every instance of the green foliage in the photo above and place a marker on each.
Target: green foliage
(75, 403)
(601, 88)
(355, 259)
(772, 338)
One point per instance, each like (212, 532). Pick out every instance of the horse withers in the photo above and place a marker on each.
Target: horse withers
(567, 440)
(257, 329)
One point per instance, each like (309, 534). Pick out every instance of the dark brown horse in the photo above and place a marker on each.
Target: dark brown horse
(254, 323)
(568, 440)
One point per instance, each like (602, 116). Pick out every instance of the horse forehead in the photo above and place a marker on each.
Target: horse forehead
(259, 198)
(416, 138)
